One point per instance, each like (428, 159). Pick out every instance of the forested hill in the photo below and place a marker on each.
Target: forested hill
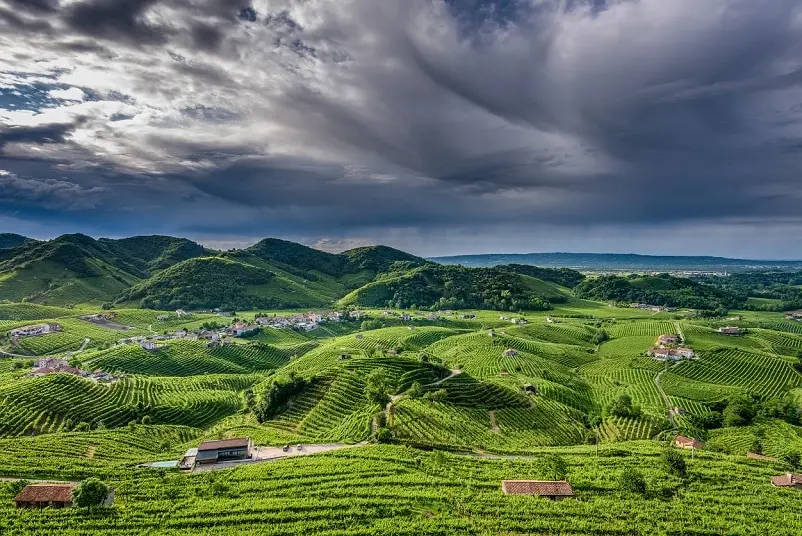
(597, 262)
(168, 273)
(660, 290)
(10, 240)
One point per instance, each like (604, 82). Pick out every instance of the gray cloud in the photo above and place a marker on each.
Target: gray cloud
(460, 114)
(48, 193)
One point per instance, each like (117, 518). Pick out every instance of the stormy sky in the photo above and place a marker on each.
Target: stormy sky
(437, 126)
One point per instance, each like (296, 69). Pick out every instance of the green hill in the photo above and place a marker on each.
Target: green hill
(453, 287)
(202, 283)
(660, 289)
(11, 240)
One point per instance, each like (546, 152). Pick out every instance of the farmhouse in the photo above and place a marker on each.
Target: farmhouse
(673, 354)
(180, 313)
(510, 352)
(668, 339)
(688, 443)
(549, 320)
(162, 318)
(148, 344)
(729, 330)
(224, 450)
(43, 495)
(552, 489)
(33, 331)
(239, 329)
(788, 480)
(794, 315)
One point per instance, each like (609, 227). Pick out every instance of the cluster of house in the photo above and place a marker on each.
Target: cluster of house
(517, 321)
(796, 316)
(653, 308)
(305, 321)
(667, 348)
(34, 330)
(729, 330)
(52, 365)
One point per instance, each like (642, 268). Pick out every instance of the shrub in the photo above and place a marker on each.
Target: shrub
(632, 480)
(90, 493)
(675, 462)
(555, 466)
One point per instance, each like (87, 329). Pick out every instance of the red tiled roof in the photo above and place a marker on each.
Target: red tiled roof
(544, 488)
(239, 442)
(788, 479)
(60, 493)
(756, 456)
(688, 442)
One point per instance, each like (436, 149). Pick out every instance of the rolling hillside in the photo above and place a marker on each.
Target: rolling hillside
(160, 272)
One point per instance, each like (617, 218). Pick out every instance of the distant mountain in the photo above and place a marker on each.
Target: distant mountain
(598, 262)
(11, 240)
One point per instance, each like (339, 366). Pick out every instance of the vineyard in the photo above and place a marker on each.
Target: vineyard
(475, 385)
(399, 491)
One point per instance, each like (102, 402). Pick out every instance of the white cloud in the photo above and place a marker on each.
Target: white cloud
(70, 94)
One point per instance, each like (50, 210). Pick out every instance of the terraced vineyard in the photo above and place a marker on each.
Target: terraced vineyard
(760, 374)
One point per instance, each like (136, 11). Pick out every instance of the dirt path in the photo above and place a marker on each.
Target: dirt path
(454, 372)
(493, 423)
(669, 406)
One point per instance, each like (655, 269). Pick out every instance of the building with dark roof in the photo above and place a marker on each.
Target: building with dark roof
(224, 450)
(551, 489)
(43, 495)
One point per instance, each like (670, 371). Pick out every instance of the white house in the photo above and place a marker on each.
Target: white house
(162, 318)
(148, 345)
(33, 331)
(180, 313)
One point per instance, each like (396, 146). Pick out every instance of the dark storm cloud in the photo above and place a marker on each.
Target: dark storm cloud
(40, 134)
(111, 19)
(463, 113)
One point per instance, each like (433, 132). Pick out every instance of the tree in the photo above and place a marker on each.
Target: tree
(632, 480)
(415, 390)
(17, 486)
(83, 427)
(377, 387)
(90, 493)
(147, 419)
(601, 336)
(675, 462)
(623, 407)
(555, 466)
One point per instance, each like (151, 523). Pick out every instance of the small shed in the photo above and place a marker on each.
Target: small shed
(551, 489)
(510, 352)
(788, 480)
(44, 495)
(761, 457)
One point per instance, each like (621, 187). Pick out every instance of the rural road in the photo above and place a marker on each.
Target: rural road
(454, 372)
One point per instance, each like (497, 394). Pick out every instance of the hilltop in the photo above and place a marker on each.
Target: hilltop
(167, 272)
(11, 240)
